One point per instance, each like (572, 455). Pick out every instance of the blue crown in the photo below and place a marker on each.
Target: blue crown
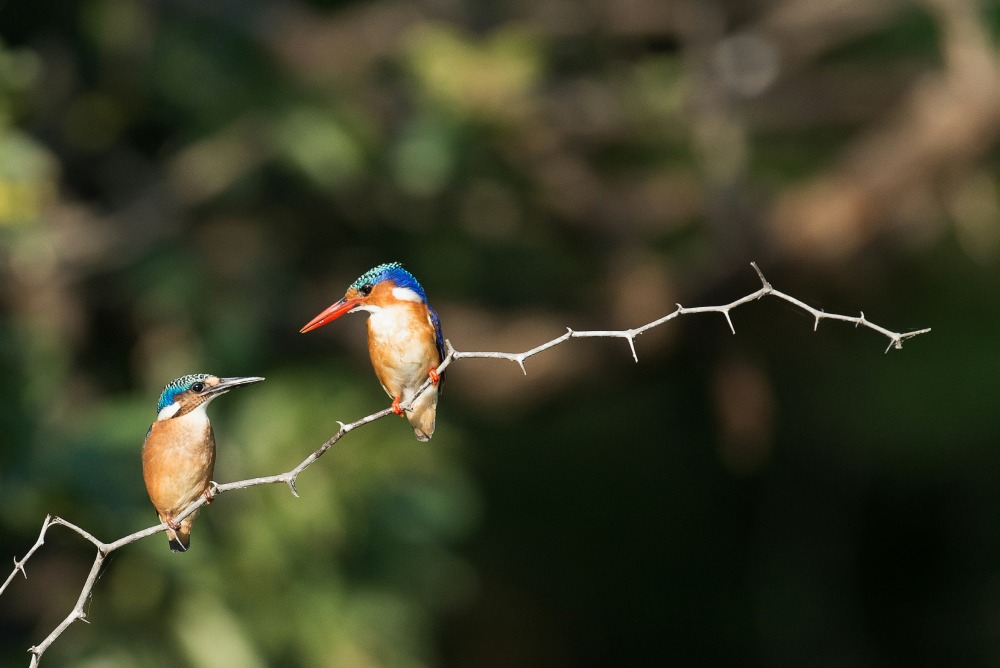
(175, 387)
(390, 271)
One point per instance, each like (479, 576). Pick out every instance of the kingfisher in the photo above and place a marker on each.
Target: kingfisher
(178, 455)
(404, 338)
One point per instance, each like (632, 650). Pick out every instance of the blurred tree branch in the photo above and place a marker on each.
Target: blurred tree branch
(289, 477)
(944, 124)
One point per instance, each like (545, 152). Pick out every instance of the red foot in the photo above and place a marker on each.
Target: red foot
(395, 407)
(210, 493)
(435, 376)
(172, 524)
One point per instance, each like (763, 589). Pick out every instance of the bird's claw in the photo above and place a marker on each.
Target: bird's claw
(174, 526)
(211, 491)
(396, 408)
(435, 376)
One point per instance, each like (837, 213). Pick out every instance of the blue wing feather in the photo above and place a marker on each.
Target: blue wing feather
(438, 339)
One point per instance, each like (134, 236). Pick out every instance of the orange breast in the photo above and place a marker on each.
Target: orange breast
(178, 461)
(401, 342)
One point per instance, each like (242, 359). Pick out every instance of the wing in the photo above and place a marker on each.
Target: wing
(438, 340)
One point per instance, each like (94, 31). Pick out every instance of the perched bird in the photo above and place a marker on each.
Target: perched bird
(178, 456)
(404, 338)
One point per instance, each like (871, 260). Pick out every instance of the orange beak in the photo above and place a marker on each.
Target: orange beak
(336, 310)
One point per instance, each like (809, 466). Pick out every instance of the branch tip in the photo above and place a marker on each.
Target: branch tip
(763, 281)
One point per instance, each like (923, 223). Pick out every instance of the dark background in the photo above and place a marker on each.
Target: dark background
(184, 184)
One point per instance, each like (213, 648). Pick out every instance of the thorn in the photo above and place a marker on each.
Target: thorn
(631, 344)
(764, 282)
(520, 363)
(291, 486)
(893, 342)
(82, 616)
(729, 320)
(19, 566)
(861, 320)
(816, 324)
(569, 330)
(680, 309)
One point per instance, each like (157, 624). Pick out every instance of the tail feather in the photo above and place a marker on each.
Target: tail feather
(179, 540)
(424, 415)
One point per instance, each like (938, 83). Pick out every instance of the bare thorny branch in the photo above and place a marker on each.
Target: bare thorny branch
(289, 477)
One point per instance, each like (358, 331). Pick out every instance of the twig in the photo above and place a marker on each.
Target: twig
(289, 477)
(895, 338)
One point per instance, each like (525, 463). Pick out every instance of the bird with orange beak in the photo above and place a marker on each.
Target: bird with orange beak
(404, 339)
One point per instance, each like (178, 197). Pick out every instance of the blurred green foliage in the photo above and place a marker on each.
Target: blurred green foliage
(183, 185)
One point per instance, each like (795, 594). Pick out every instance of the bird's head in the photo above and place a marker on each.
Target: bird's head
(185, 394)
(377, 288)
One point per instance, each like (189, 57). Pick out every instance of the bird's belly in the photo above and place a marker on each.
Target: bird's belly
(177, 473)
(401, 380)
(401, 362)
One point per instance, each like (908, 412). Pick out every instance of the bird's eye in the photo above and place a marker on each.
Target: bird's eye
(198, 387)
(366, 289)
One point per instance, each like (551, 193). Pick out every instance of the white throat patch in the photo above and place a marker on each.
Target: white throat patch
(406, 295)
(168, 411)
(198, 412)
